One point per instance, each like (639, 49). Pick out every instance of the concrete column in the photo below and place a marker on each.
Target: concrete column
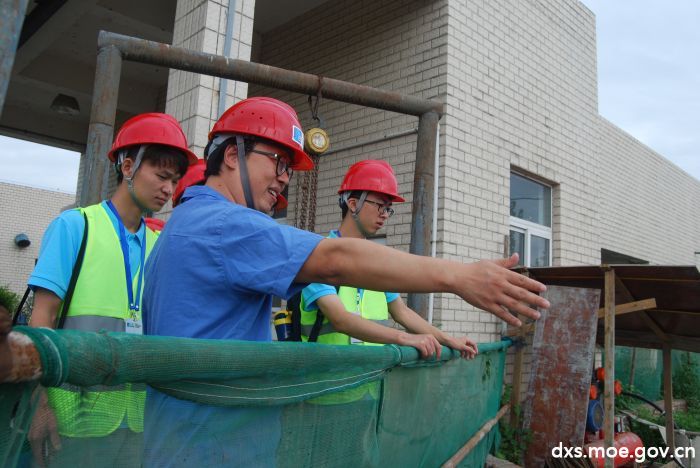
(193, 99)
(201, 25)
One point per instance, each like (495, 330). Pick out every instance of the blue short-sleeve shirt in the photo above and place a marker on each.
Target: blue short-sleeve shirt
(212, 274)
(60, 246)
(215, 268)
(315, 291)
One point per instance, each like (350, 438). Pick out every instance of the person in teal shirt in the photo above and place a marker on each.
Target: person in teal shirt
(366, 196)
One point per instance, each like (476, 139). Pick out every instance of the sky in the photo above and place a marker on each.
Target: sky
(648, 85)
(649, 74)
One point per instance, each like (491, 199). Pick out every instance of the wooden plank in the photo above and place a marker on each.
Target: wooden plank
(457, 458)
(668, 396)
(563, 349)
(517, 375)
(621, 309)
(517, 384)
(654, 326)
(608, 392)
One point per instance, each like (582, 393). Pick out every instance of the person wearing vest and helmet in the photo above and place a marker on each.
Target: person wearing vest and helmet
(356, 316)
(244, 258)
(104, 248)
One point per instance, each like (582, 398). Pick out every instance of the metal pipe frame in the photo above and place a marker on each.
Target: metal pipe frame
(11, 19)
(113, 48)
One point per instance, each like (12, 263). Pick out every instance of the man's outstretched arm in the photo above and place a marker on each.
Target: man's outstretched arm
(488, 284)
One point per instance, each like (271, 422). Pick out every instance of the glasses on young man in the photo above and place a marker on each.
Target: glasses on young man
(382, 208)
(283, 162)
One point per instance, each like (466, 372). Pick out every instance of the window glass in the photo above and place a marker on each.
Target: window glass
(539, 251)
(530, 200)
(517, 245)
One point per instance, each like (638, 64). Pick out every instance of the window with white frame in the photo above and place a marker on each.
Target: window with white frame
(530, 221)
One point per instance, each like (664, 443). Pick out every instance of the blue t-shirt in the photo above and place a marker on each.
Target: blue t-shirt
(60, 246)
(315, 291)
(212, 274)
(215, 268)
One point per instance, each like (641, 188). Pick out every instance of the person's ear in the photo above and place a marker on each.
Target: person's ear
(127, 168)
(352, 205)
(231, 157)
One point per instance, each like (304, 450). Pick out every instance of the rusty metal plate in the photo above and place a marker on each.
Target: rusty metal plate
(562, 360)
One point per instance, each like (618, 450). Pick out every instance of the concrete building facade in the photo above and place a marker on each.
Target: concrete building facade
(25, 210)
(526, 163)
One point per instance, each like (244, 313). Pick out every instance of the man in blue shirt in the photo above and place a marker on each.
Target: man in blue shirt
(220, 259)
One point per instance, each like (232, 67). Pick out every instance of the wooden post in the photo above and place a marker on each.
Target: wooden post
(668, 396)
(609, 393)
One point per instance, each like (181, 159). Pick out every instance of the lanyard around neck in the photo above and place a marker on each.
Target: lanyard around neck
(360, 291)
(134, 301)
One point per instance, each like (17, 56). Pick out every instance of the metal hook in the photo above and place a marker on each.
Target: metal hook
(313, 105)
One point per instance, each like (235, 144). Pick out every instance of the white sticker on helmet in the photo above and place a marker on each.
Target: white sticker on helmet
(298, 136)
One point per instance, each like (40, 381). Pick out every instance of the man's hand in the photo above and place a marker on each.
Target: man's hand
(491, 286)
(466, 347)
(427, 345)
(43, 434)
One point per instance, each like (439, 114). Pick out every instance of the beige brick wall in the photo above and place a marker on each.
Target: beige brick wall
(521, 95)
(649, 207)
(25, 210)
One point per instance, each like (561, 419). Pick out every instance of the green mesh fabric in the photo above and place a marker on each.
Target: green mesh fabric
(647, 366)
(420, 414)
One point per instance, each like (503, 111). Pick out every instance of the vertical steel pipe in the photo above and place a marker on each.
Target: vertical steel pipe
(11, 19)
(423, 180)
(101, 130)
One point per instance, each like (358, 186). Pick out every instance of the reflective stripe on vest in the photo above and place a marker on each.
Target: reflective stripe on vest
(100, 302)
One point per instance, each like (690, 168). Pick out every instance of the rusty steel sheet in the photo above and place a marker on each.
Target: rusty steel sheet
(562, 360)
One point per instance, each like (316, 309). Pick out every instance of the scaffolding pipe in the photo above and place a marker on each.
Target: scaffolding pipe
(101, 129)
(423, 182)
(141, 50)
(11, 19)
(115, 47)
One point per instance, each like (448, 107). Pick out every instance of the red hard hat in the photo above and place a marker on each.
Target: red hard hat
(371, 175)
(193, 176)
(269, 119)
(155, 224)
(149, 129)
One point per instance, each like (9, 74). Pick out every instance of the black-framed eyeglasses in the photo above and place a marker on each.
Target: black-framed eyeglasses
(283, 162)
(382, 208)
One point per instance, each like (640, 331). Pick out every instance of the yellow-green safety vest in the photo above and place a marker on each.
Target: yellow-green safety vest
(370, 305)
(100, 302)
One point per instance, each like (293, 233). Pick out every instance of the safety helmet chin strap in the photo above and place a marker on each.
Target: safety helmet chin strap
(245, 180)
(221, 142)
(356, 214)
(130, 180)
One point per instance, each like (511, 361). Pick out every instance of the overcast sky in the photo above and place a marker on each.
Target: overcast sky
(648, 85)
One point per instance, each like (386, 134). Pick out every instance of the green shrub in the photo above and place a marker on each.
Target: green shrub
(8, 299)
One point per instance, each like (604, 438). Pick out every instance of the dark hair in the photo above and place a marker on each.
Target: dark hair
(215, 159)
(356, 194)
(160, 156)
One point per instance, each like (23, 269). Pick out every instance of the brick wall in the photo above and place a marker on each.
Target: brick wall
(648, 206)
(25, 210)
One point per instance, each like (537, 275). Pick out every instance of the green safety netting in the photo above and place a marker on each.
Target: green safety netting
(647, 368)
(411, 412)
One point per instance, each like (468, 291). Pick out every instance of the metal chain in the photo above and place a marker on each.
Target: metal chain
(313, 195)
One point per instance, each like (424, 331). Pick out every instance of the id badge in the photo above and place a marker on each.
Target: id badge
(134, 327)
